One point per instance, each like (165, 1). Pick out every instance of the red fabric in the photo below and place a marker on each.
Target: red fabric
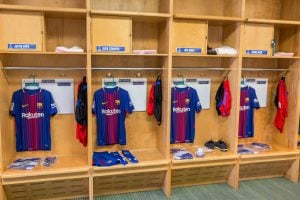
(81, 134)
(150, 108)
(226, 102)
(282, 111)
(81, 131)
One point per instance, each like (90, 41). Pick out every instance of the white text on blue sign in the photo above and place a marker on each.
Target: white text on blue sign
(110, 48)
(21, 46)
(188, 50)
(257, 52)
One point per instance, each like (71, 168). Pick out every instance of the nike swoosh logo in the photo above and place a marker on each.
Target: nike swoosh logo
(175, 101)
(103, 103)
(23, 106)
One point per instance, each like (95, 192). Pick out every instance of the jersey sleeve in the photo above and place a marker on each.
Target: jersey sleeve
(53, 108)
(255, 100)
(94, 110)
(128, 104)
(197, 105)
(13, 105)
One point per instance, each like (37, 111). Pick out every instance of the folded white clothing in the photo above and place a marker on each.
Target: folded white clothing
(284, 54)
(140, 51)
(225, 50)
(74, 49)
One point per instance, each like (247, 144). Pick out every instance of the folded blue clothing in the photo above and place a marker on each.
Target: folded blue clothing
(129, 156)
(104, 159)
(119, 158)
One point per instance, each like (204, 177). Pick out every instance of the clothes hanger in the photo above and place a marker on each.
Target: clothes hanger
(110, 84)
(180, 84)
(32, 85)
(243, 84)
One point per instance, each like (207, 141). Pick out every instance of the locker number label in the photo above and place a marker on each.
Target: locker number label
(257, 52)
(188, 50)
(21, 46)
(110, 48)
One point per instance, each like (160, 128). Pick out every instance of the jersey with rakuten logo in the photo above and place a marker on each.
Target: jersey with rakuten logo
(185, 102)
(110, 106)
(32, 110)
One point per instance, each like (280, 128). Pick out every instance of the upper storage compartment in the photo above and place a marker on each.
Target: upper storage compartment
(212, 8)
(273, 9)
(149, 6)
(21, 31)
(258, 39)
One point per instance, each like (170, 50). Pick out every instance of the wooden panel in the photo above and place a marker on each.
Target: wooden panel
(189, 34)
(287, 39)
(264, 170)
(233, 8)
(203, 175)
(144, 35)
(127, 61)
(57, 3)
(289, 10)
(65, 32)
(128, 183)
(111, 31)
(267, 9)
(7, 153)
(58, 189)
(199, 7)
(21, 28)
(258, 37)
(128, 5)
(45, 60)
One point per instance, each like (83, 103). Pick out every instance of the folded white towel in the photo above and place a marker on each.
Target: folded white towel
(225, 50)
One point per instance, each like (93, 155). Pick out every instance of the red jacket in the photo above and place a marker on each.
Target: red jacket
(281, 101)
(226, 101)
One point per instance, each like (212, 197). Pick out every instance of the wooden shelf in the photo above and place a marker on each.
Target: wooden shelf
(277, 153)
(273, 21)
(41, 53)
(214, 19)
(65, 166)
(271, 57)
(136, 16)
(129, 54)
(71, 12)
(149, 161)
(202, 55)
(210, 159)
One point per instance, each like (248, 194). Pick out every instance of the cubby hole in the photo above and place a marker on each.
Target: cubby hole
(134, 34)
(47, 3)
(260, 36)
(144, 135)
(264, 128)
(208, 125)
(220, 8)
(196, 34)
(224, 34)
(150, 36)
(71, 154)
(66, 32)
(150, 6)
(273, 9)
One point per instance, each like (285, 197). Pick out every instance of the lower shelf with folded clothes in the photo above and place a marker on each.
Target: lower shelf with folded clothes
(107, 159)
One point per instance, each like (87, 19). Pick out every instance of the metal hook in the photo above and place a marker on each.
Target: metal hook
(138, 75)
(62, 75)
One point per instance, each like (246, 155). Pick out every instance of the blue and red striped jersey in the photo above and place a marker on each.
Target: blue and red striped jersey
(32, 110)
(248, 101)
(110, 106)
(184, 103)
